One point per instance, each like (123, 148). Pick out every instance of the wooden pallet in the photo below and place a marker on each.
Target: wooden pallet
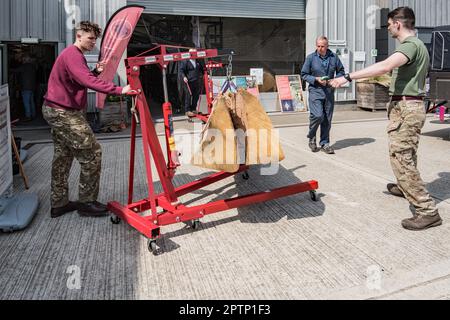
(372, 96)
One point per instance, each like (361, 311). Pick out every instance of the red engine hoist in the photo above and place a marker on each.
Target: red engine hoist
(165, 208)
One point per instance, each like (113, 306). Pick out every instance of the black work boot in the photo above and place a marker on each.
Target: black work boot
(92, 209)
(422, 222)
(395, 190)
(313, 146)
(69, 207)
(327, 149)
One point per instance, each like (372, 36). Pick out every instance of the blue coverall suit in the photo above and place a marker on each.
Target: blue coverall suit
(321, 98)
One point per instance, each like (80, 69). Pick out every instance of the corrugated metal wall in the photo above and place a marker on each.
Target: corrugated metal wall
(47, 19)
(41, 19)
(281, 9)
(351, 22)
(429, 13)
(98, 11)
(348, 24)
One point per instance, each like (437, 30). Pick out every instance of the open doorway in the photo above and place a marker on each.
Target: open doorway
(29, 67)
(160, 29)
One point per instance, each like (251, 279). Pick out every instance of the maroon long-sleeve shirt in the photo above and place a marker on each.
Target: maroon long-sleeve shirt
(69, 80)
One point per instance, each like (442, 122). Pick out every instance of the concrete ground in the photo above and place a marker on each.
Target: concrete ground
(348, 245)
(40, 133)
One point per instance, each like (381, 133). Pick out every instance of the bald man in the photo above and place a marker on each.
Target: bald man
(318, 68)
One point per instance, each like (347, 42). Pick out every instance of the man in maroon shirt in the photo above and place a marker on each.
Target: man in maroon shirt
(63, 109)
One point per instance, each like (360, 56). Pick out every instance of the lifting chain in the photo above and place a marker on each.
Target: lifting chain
(230, 67)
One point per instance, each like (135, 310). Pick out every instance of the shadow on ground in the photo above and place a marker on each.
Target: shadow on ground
(346, 143)
(297, 206)
(444, 134)
(440, 188)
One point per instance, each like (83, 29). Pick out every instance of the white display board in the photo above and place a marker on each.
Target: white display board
(360, 56)
(259, 74)
(6, 174)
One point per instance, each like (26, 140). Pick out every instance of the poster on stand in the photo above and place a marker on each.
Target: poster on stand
(290, 93)
(6, 174)
(259, 74)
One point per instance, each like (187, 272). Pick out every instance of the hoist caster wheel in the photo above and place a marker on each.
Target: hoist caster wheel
(196, 224)
(313, 195)
(245, 175)
(152, 246)
(115, 219)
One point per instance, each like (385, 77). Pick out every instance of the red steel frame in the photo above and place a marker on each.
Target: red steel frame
(209, 89)
(165, 208)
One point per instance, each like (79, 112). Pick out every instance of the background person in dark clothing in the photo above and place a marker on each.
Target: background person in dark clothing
(27, 80)
(191, 71)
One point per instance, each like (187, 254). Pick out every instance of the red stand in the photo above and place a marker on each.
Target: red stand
(165, 208)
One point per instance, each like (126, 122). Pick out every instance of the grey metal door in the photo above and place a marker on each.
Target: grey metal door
(281, 9)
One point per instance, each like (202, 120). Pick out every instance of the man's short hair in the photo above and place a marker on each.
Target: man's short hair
(405, 15)
(88, 26)
(322, 38)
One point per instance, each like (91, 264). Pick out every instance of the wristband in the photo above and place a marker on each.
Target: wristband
(347, 77)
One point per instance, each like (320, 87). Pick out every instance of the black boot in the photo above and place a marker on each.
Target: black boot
(92, 209)
(69, 207)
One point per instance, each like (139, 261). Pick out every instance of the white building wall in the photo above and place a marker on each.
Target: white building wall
(429, 13)
(353, 24)
(349, 25)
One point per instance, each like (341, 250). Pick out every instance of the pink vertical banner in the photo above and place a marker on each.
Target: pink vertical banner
(115, 40)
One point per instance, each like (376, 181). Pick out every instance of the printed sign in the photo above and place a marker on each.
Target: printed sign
(6, 175)
(259, 74)
(360, 56)
(290, 93)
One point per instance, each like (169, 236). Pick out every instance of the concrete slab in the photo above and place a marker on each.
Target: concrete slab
(350, 244)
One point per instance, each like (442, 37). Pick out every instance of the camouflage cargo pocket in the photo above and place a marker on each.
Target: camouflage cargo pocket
(393, 126)
(395, 117)
(50, 114)
(82, 136)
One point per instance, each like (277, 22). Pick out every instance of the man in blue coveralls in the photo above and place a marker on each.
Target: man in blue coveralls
(320, 67)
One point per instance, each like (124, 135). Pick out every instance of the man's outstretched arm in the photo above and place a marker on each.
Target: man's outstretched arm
(394, 61)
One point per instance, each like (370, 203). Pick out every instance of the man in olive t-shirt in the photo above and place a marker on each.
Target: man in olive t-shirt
(409, 79)
(406, 114)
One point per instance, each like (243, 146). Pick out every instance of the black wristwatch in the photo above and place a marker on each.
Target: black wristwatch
(347, 77)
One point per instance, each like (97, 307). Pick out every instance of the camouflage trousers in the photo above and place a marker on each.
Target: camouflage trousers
(73, 138)
(406, 120)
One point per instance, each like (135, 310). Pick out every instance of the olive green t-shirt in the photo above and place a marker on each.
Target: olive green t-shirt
(409, 79)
